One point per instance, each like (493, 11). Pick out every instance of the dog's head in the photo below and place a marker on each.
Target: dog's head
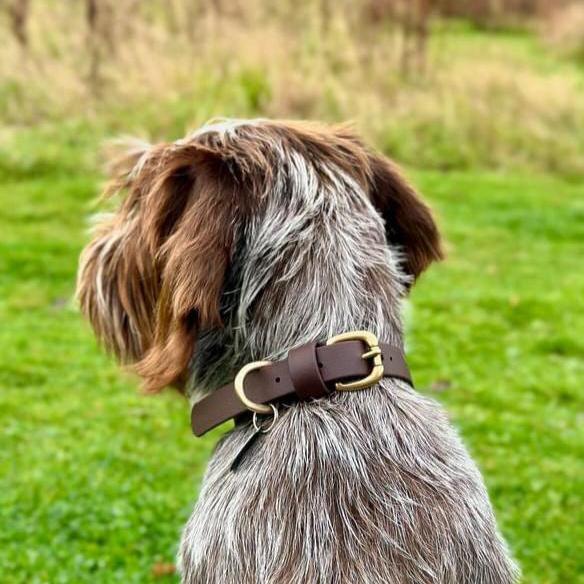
(201, 215)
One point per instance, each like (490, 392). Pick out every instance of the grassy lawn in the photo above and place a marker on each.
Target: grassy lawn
(96, 481)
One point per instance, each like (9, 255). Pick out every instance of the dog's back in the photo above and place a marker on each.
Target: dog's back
(368, 488)
(240, 243)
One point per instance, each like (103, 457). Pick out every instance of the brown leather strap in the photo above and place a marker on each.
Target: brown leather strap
(305, 373)
(309, 372)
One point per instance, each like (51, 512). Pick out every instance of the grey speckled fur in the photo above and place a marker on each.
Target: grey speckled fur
(369, 487)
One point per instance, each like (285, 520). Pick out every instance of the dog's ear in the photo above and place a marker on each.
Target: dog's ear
(409, 224)
(117, 284)
(152, 277)
(192, 225)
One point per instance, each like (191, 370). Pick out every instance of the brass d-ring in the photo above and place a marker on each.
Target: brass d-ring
(240, 391)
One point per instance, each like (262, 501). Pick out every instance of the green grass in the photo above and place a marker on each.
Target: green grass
(96, 481)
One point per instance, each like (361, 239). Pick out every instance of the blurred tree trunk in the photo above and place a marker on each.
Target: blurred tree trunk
(18, 12)
(101, 37)
(415, 21)
(174, 16)
(423, 33)
(192, 18)
(93, 42)
(326, 16)
(217, 7)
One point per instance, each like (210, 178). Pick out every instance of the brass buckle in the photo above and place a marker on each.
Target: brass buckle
(373, 352)
(257, 408)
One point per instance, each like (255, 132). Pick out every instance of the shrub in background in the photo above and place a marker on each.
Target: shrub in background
(446, 96)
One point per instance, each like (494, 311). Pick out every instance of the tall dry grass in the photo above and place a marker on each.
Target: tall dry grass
(479, 101)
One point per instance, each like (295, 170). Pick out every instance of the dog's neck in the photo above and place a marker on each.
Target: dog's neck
(313, 263)
(301, 285)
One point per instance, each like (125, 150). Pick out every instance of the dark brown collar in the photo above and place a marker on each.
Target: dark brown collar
(348, 362)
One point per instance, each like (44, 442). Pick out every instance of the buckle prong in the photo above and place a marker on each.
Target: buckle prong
(373, 353)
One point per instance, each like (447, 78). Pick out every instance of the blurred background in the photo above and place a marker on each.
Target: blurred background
(482, 102)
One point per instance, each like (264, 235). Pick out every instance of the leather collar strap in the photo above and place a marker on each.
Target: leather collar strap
(309, 372)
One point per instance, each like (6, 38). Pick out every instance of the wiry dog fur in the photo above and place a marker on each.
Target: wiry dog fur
(244, 240)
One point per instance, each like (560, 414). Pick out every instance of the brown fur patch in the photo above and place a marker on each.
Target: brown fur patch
(408, 220)
(161, 261)
(195, 257)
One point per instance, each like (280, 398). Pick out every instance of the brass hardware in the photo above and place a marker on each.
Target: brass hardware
(373, 352)
(240, 391)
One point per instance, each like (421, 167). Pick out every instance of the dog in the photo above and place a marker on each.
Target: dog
(245, 240)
